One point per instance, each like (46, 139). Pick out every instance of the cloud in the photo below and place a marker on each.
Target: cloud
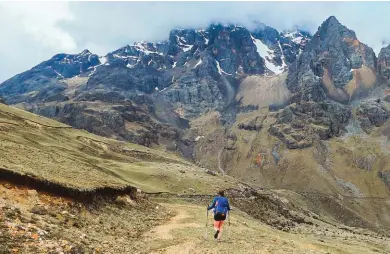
(33, 32)
(30, 33)
(40, 22)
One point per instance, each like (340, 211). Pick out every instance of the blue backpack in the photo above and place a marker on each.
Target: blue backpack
(221, 205)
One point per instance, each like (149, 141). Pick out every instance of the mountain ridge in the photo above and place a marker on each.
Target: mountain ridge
(217, 91)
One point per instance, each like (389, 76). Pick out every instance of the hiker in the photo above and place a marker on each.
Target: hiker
(221, 209)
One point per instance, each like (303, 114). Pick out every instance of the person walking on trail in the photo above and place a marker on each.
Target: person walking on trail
(221, 208)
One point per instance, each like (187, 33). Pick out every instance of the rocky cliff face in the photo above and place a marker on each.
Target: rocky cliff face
(334, 65)
(385, 176)
(371, 114)
(124, 121)
(384, 63)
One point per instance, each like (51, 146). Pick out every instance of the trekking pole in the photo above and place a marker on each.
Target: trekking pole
(229, 225)
(207, 220)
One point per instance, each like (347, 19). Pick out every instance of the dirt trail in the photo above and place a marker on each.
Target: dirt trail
(176, 222)
(185, 233)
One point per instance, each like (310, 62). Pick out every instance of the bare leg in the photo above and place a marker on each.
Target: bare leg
(220, 230)
(219, 235)
(216, 228)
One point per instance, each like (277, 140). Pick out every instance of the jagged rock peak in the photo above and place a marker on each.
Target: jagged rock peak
(331, 26)
(85, 52)
(332, 20)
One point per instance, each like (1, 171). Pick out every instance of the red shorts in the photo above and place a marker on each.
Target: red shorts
(218, 225)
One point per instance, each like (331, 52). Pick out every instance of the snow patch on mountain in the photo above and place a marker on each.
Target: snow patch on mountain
(296, 36)
(198, 63)
(182, 44)
(103, 60)
(143, 48)
(187, 47)
(58, 74)
(220, 70)
(267, 54)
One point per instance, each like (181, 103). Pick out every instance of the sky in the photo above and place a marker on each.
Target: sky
(32, 32)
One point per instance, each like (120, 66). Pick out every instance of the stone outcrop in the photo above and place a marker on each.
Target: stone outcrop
(254, 124)
(44, 82)
(298, 125)
(372, 114)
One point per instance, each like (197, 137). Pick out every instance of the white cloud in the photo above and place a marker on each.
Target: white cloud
(40, 20)
(30, 33)
(33, 32)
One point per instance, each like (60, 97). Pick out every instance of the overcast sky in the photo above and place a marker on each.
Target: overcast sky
(33, 32)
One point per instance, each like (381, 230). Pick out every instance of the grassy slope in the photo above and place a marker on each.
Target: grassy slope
(52, 151)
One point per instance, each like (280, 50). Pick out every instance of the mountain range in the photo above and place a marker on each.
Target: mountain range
(149, 85)
(243, 101)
